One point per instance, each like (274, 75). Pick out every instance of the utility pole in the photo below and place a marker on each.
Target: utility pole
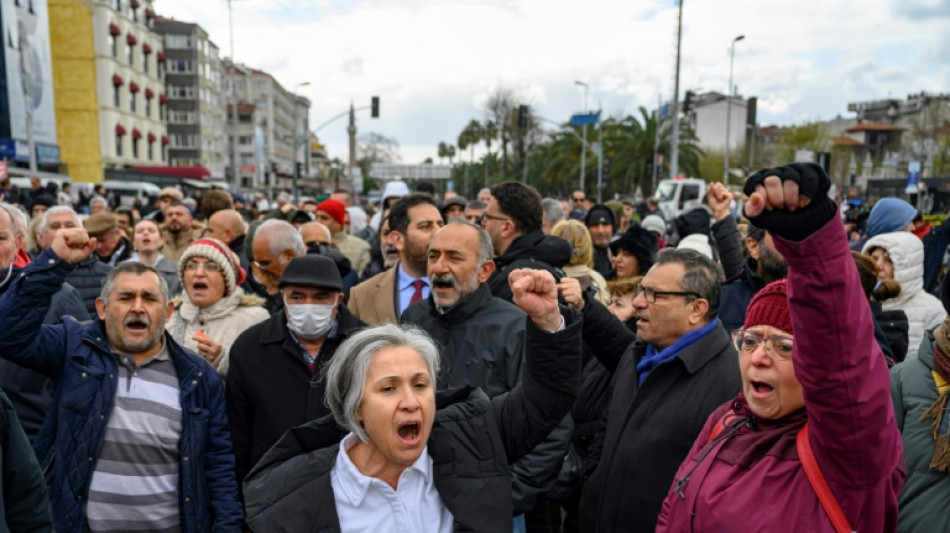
(351, 166)
(584, 145)
(675, 112)
(732, 55)
(236, 181)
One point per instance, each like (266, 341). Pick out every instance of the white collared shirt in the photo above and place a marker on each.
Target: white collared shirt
(367, 504)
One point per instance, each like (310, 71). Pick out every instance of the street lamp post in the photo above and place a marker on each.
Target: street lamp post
(732, 55)
(584, 146)
(297, 142)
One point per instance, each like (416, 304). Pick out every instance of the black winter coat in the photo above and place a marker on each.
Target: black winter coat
(87, 279)
(649, 430)
(24, 501)
(270, 388)
(481, 340)
(473, 440)
(531, 250)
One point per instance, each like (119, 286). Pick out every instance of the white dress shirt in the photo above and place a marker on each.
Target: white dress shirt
(367, 504)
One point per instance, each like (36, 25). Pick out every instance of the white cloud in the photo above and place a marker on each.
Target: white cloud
(432, 61)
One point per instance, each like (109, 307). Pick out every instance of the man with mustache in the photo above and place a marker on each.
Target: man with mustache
(136, 436)
(384, 297)
(482, 340)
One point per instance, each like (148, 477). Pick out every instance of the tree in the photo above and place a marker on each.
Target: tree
(468, 138)
(375, 148)
(489, 134)
(809, 136)
(500, 110)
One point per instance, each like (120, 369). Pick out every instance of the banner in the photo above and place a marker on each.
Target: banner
(29, 71)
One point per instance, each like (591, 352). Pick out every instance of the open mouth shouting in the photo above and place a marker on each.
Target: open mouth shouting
(410, 432)
(199, 287)
(760, 389)
(137, 323)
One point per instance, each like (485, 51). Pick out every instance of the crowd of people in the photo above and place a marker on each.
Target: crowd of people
(506, 363)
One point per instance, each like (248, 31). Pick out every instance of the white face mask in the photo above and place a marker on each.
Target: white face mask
(309, 321)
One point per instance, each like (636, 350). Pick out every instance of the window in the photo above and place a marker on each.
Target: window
(118, 145)
(131, 100)
(148, 109)
(151, 144)
(161, 111)
(117, 5)
(135, 148)
(177, 41)
(116, 95)
(115, 46)
(131, 52)
(145, 62)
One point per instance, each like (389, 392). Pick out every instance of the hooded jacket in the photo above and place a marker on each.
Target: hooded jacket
(222, 322)
(751, 478)
(924, 311)
(531, 250)
(473, 440)
(394, 188)
(913, 390)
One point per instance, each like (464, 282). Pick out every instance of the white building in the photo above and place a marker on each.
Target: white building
(129, 84)
(269, 118)
(708, 117)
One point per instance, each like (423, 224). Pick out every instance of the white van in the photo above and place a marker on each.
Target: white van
(677, 196)
(126, 192)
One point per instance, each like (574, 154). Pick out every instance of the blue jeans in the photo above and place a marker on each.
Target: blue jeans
(517, 524)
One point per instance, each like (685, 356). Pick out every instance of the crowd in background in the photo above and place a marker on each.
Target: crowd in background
(186, 403)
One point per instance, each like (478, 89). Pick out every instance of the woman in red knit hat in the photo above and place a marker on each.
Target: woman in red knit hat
(811, 443)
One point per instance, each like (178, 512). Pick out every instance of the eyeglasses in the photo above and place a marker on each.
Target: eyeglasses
(650, 294)
(207, 266)
(311, 244)
(581, 199)
(263, 269)
(778, 347)
(485, 217)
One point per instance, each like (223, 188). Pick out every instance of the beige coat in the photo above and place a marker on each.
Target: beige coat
(175, 245)
(374, 300)
(353, 248)
(222, 322)
(596, 280)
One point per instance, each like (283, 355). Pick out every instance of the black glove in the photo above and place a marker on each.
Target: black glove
(799, 224)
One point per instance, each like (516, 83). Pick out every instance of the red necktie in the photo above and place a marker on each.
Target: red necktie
(416, 296)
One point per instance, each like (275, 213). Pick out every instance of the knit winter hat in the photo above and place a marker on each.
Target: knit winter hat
(890, 215)
(601, 214)
(217, 251)
(335, 208)
(769, 307)
(639, 242)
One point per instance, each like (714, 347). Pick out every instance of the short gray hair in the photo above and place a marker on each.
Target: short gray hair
(485, 251)
(282, 236)
(701, 275)
(552, 210)
(98, 200)
(345, 375)
(130, 267)
(55, 211)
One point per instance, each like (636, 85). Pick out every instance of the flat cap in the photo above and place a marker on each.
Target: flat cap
(100, 223)
(312, 271)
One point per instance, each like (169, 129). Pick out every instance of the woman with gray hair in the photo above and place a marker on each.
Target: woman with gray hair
(408, 457)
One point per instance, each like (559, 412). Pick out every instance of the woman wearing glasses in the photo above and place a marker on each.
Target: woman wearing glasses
(212, 309)
(814, 401)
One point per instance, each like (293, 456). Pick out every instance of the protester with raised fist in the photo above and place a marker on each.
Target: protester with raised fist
(136, 436)
(814, 390)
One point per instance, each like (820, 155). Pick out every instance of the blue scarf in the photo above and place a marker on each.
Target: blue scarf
(653, 359)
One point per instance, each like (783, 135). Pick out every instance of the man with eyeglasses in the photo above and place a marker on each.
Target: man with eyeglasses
(681, 365)
(513, 221)
(274, 382)
(276, 243)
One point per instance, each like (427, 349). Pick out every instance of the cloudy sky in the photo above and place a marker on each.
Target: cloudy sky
(433, 62)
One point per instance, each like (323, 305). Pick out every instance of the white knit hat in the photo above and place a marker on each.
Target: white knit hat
(698, 242)
(217, 251)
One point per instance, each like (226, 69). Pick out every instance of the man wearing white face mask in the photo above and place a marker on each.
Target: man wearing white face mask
(275, 380)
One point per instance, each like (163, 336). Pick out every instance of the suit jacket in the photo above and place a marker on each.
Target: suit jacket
(374, 300)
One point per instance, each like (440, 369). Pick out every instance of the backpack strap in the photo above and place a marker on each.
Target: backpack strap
(818, 483)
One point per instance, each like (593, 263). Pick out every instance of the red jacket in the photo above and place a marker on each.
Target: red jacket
(753, 481)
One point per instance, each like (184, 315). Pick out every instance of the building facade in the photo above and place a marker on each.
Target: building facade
(272, 125)
(196, 110)
(708, 117)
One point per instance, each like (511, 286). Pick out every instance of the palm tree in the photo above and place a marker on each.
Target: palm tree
(470, 136)
(489, 133)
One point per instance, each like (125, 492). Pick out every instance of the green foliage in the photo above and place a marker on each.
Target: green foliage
(808, 136)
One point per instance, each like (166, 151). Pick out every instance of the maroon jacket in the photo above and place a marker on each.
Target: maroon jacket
(753, 481)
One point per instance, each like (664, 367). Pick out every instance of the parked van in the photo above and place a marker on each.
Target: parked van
(124, 193)
(677, 196)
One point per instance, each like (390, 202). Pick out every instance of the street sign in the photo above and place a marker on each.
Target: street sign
(585, 119)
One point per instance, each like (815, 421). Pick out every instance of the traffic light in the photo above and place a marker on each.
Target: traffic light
(374, 107)
(299, 169)
(522, 116)
(688, 102)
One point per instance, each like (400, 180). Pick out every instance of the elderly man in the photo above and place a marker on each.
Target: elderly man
(179, 230)
(384, 297)
(551, 214)
(112, 246)
(124, 391)
(513, 219)
(228, 226)
(667, 380)
(28, 390)
(274, 382)
(332, 214)
(276, 242)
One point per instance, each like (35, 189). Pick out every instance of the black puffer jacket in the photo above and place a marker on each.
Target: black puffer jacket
(473, 440)
(87, 279)
(531, 250)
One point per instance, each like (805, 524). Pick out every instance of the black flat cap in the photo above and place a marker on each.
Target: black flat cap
(312, 271)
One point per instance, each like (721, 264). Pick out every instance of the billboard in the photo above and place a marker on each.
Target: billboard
(29, 71)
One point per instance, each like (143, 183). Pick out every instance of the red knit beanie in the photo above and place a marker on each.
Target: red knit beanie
(335, 208)
(769, 307)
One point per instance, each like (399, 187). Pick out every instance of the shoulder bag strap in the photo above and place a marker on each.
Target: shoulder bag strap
(818, 483)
